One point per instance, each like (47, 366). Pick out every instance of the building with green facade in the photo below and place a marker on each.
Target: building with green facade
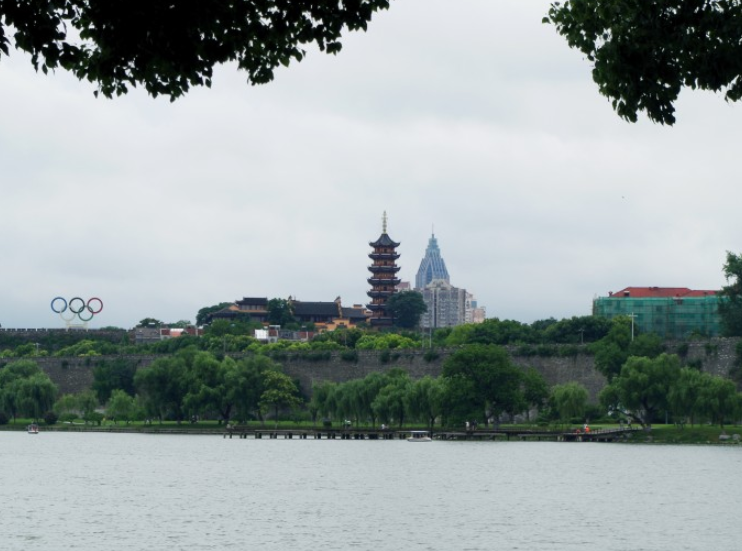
(670, 312)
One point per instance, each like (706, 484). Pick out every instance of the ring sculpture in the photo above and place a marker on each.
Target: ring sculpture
(76, 309)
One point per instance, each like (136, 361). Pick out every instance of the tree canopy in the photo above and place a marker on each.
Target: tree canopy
(167, 47)
(730, 305)
(406, 308)
(645, 51)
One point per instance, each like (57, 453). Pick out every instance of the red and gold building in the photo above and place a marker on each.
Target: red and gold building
(383, 278)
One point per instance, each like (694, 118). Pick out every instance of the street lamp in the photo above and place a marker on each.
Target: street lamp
(632, 316)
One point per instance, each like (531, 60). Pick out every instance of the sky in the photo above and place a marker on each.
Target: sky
(471, 119)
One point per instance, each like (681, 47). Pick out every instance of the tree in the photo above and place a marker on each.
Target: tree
(425, 399)
(246, 384)
(167, 47)
(280, 392)
(391, 402)
(642, 388)
(612, 351)
(206, 384)
(730, 297)
(322, 400)
(67, 405)
(575, 330)
(684, 396)
(718, 399)
(121, 406)
(570, 400)
(535, 390)
(87, 404)
(162, 386)
(492, 331)
(280, 312)
(25, 389)
(117, 374)
(150, 322)
(649, 345)
(204, 314)
(480, 382)
(644, 52)
(406, 308)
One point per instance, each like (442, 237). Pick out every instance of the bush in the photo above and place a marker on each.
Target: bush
(349, 356)
(67, 417)
(682, 350)
(50, 418)
(94, 418)
(3, 418)
(430, 355)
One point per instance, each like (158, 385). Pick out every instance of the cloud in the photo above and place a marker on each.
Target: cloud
(473, 117)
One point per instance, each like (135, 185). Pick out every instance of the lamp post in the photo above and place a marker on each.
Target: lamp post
(632, 316)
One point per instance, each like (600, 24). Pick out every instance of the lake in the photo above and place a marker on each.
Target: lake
(131, 491)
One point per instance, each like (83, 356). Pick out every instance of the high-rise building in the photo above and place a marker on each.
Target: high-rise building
(446, 305)
(432, 265)
(383, 278)
(474, 312)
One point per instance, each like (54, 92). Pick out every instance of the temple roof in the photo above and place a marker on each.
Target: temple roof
(255, 301)
(354, 314)
(384, 241)
(316, 309)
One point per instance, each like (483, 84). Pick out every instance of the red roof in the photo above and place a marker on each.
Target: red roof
(659, 292)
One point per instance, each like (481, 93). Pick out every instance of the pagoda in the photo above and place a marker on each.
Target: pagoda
(383, 278)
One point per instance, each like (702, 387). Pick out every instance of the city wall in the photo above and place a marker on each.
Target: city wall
(715, 356)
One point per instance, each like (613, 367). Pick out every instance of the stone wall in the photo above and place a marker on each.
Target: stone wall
(715, 356)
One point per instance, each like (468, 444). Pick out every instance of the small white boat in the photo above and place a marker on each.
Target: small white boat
(33, 428)
(419, 436)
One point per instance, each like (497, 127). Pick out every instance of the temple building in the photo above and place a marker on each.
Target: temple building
(432, 265)
(383, 278)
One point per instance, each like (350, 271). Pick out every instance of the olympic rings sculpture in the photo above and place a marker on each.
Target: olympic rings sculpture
(76, 307)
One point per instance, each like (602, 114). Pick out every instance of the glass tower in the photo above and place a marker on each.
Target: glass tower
(432, 266)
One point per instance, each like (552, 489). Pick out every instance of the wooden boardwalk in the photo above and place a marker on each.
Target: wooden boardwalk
(600, 435)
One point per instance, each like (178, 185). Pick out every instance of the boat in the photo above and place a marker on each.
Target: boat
(419, 436)
(33, 428)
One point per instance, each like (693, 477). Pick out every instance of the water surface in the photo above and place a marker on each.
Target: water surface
(128, 491)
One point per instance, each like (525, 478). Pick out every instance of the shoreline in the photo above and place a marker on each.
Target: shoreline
(663, 434)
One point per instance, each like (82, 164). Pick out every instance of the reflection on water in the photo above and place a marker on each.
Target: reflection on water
(101, 491)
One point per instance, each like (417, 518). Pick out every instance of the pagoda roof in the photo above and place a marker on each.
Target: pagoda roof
(384, 241)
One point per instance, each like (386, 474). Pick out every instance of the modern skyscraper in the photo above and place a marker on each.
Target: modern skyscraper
(432, 265)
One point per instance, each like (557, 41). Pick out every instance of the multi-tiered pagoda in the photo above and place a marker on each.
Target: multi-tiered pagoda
(384, 279)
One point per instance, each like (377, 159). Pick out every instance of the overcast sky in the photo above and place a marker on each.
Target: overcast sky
(471, 117)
